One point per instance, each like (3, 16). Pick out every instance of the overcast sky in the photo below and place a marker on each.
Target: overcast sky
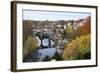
(53, 16)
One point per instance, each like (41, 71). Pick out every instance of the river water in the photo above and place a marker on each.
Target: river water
(39, 55)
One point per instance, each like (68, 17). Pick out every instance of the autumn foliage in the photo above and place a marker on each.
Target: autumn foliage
(30, 45)
(86, 27)
(78, 47)
(70, 50)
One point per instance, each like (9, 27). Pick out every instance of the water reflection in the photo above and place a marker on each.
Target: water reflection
(45, 53)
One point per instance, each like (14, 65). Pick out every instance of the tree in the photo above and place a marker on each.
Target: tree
(84, 45)
(27, 29)
(70, 50)
(78, 48)
(57, 57)
(30, 45)
(86, 27)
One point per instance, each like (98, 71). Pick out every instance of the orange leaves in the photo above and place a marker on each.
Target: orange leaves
(86, 27)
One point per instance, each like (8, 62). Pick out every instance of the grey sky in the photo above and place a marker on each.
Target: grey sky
(53, 16)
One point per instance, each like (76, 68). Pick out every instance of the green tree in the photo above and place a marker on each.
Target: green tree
(30, 45)
(84, 45)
